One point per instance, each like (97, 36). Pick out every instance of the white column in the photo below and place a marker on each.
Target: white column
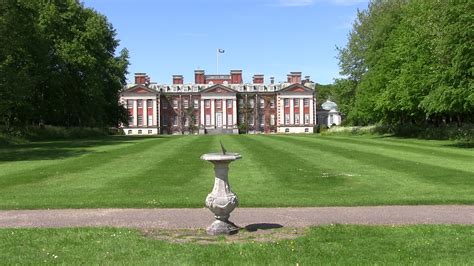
(301, 112)
(292, 112)
(154, 113)
(311, 110)
(202, 113)
(234, 112)
(213, 113)
(281, 112)
(135, 110)
(224, 113)
(145, 113)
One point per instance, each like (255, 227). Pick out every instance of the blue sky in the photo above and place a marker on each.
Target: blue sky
(270, 37)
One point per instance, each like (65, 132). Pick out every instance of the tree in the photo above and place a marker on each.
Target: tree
(64, 56)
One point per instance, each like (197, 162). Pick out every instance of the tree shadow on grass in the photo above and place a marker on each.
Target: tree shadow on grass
(462, 145)
(58, 149)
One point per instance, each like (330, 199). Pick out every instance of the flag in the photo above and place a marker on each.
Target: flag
(221, 51)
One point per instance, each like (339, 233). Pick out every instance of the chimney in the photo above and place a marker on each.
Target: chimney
(295, 77)
(199, 77)
(306, 80)
(288, 77)
(141, 78)
(272, 80)
(236, 77)
(177, 79)
(258, 79)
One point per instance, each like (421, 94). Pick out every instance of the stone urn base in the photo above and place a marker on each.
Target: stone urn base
(221, 201)
(225, 227)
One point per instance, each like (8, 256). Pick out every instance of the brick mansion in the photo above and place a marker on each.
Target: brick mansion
(219, 104)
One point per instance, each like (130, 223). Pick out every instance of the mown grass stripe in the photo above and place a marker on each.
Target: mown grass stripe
(386, 160)
(421, 147)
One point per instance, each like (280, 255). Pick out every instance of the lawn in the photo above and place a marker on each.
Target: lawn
(337, 244)
(276, 170)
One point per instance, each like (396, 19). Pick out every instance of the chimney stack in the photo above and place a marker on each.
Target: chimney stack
(272, 80)
(177, 79)
(199, 77)
(258, 79)
(306, 80)
(141, 78)
(236, 77)
(294, 77)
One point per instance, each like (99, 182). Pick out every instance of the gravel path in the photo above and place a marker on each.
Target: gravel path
(257, 217)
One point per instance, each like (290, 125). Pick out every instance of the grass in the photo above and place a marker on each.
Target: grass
(276, 171)
(337, 244)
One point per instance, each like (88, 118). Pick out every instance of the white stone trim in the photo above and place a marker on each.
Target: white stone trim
(213, 113)
(292, 112)
(135, 113)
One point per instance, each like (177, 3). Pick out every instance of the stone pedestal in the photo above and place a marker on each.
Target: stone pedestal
(221, 201)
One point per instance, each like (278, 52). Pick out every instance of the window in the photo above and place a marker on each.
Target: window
(297, 119)
(129, 132)
(129, 104)
(186, 104)
(241, 102)
(229, 120)
(287, 130)
(150, 131)
(175, 103)
(149, 103)
(186, 121)
(165, 119)
(241, 118)
(150, 120)
(272, 103)
(229, 103)
(287, 119)
(296, 102)
(140, 103)
(306, 130)
(175, 120)
(196, 104)
(208, 120)
(261, 119)
(306, 119)
(331, 119)
(218, 104)
(262, 103)
(252, 103)
(140, 120)
(130, 120)
(165, 104)
(140, 131)
(207, 103)
(272, 120)
(287, 102)
(251, 122)
(306, 102)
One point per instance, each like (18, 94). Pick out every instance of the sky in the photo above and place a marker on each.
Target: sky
(270, 37)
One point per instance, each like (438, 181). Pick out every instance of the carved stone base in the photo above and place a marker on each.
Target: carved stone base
(225, 227)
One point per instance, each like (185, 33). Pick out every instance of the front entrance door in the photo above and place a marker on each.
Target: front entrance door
(218, 119)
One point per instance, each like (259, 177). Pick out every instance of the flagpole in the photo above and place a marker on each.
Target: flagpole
(217, 60)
